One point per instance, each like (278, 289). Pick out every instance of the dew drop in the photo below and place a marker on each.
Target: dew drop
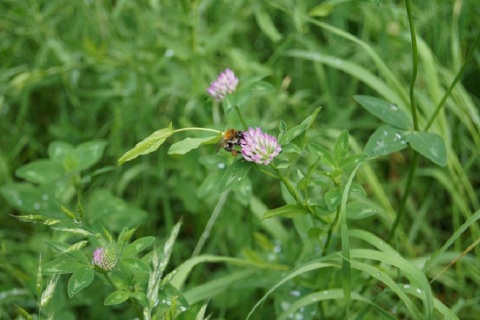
(36, 206)
(239, 179)
(378, 274)
(45, 197)
(19, 202)
(221, 165)
(295, 293)
(398, 135)
(325, 292)
(406, 286)
(338, 61)
(169, 53)
(418, 290)
(393, 107)
(394, 310)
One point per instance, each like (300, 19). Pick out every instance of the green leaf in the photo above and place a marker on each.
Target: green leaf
(288, 211)
(148, 145)
(341, 147)
(360, 210)
(62, 265)
(325, 154)
(300, 129)
(58, 151)
(322, 10)
(79, 280)
(234, 173)
(333, 197)
(291, 148)
(429, 145)
(138, 245)
(89, 153)
(385, 140)
(352, 161)
(265, 23)
(385, 111)
(189, 144)
(116, 297)
(40, 171)
(23, 312)
(135, 265)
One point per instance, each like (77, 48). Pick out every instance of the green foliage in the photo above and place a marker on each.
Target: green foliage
(107, 139)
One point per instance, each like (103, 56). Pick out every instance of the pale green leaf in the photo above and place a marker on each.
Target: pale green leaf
(116, 297)
(287, 211)
(429, 145)
(385, 140)
(385, 111)
(79, 280)
(148, 145)
(190, 144)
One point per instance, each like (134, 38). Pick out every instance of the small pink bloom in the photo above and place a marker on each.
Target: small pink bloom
(259, 147)
(226, 83)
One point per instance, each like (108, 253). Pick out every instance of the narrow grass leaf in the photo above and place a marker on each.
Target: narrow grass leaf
(299, 271)
(331, 294)
(266, 24)
(429, 145)
(148, 145)
(189, 144)
(385, 140)
(432, 261)
(179, 276)
(214, 287)
(383, 277)
(415, 275)
(287, 211)
(23, 312)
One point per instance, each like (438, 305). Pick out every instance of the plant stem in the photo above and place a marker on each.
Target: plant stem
(414, 64)
(330, 231)
(213, 217)
(195, 129)
(414, 163)
(401, 209)
(452, 85)
(287, 184)
(244, 124)
(215, 113)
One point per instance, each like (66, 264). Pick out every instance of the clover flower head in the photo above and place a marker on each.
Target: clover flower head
(105, 258)
(258, 146)
(226, 83)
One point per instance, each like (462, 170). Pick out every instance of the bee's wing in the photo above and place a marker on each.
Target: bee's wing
(219, 144)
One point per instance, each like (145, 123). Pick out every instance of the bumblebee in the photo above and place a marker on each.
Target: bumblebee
(230, 139)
